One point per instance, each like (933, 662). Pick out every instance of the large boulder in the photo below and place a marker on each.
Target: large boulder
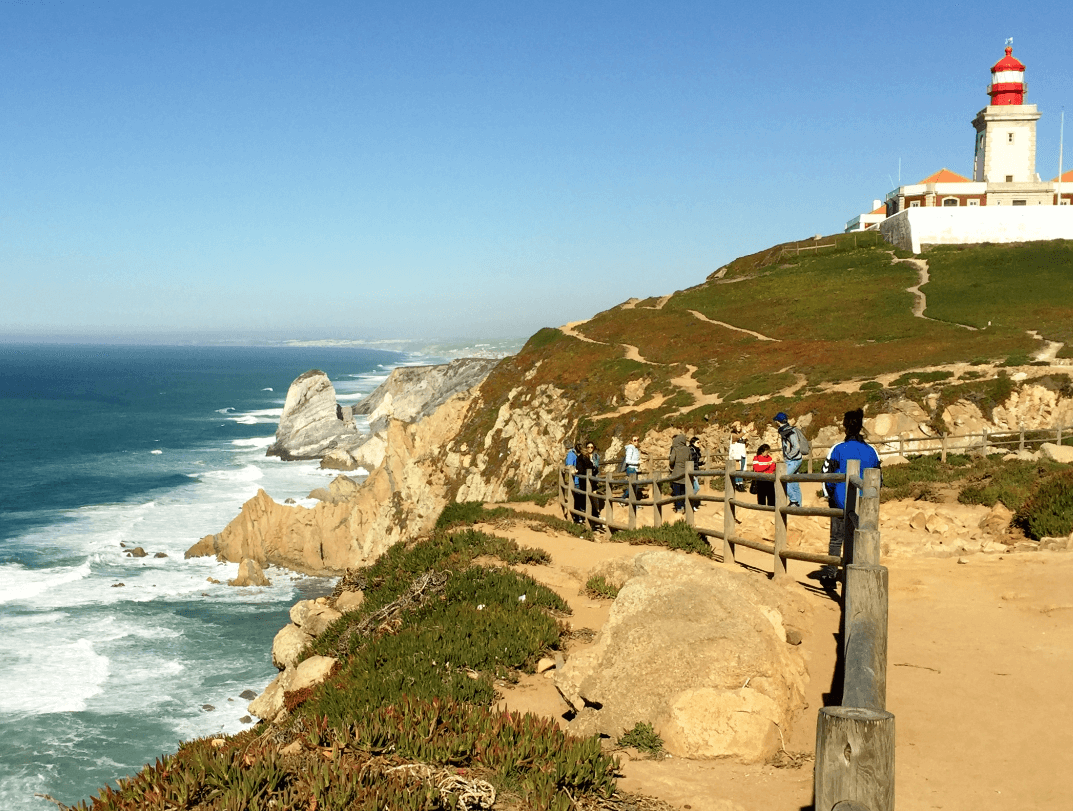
(700, 652)
(312, 422)
(1057, 453)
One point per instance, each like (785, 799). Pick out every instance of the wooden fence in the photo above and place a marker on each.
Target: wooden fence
(855, 741)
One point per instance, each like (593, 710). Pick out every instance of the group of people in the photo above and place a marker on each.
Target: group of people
(586, 461)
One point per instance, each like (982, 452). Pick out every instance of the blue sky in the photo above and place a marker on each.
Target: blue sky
(365, 169)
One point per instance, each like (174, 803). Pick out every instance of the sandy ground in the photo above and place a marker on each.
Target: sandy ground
(980, 681)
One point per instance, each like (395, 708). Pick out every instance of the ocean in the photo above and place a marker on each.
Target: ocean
(108, 661)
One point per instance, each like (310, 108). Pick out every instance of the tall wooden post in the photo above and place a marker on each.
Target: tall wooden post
(1059, 438)
(853, 468)
(854, 759)
(631, 491)
(687, 489)
(609, 505)
(781, 502)
(1021, 439)
(657, 510)
(588, 502)
(865, 641)
(944, 449)
(728, 514)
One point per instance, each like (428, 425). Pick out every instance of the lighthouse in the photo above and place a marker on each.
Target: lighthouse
(1007, 81)
(1006, 137)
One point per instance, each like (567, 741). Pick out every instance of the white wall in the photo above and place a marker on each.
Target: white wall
(914, 227)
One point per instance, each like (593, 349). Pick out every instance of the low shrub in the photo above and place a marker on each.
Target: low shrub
(1048, 512)
(597, 586)
(467, 513)
(642, 737)
(678, 535)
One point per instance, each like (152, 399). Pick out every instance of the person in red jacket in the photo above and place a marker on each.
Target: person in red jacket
(763, 463)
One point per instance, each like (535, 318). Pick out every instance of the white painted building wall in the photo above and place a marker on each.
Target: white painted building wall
(914, 227)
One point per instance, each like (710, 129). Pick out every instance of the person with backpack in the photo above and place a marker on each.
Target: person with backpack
(697, 457)
(676, 460)
(794, 448)
(853, 447)
(737, 454)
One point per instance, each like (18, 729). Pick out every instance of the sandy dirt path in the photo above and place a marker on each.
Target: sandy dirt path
(980, 681)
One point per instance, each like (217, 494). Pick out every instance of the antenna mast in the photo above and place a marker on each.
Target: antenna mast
(1061, 139)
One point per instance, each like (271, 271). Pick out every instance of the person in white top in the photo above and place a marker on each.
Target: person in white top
(632, 462)
(737, 456)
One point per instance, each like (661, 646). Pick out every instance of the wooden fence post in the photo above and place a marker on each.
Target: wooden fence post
(1059, 442)
(687, 491)
(728, 514)
(657, 510)
(984, 435)
(609, 505)
(1021, 439)
(853, 468)
(944, 448)
(781, 501)
(865, 640)
(588, 502)
(631, 490)
(854, 759)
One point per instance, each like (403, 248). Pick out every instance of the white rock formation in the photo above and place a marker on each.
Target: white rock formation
(312, 422)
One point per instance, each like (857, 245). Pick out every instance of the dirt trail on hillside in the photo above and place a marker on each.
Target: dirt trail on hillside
(757, 335)
(980, 681)
(921, 302)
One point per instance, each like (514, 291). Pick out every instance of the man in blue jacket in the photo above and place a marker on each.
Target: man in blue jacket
(853, 447)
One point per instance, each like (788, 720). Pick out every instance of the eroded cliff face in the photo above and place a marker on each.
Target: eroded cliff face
(400, 500)
(523, 448)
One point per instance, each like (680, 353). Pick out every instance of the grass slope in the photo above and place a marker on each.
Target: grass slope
(840, 315)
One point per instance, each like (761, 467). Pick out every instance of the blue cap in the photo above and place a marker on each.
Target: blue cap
(781, 417)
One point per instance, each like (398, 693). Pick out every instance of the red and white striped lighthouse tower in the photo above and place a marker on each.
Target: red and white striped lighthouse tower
(1007, 81)
(1006, 136)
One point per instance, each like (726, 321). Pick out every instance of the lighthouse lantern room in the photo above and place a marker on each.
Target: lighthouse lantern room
(1007, 80)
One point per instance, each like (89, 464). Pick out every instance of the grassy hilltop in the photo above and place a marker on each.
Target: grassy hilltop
(831, 320)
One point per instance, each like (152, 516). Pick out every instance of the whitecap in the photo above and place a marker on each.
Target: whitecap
(156, 452)
(267, 388)
(254, 442)
(19, 583)
(56, 678)
(249, 473)
(227, 410)
(247, 419)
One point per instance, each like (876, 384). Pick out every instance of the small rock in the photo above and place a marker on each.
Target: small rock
(160, 555)
(212, 580)
(918, 521)
(207, 707)
(219, 743)
(292, 749)
(118, 585)
(793, 636)
(249, 695)
(245, 719)
(962, 561)
(137, 552)
(544, 665)
(349, 600)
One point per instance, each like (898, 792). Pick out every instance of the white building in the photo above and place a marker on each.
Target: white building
(1004, 174)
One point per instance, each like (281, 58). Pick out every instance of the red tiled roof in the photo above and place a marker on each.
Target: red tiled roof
(1067, 177)
(945, 176)
(881, 210)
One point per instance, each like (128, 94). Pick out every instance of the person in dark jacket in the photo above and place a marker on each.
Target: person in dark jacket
(677, 459)
(588, 464)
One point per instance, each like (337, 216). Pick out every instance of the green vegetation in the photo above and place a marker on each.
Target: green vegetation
(678, 535)
(409, 703)
(597, 586)
(644, 738)
(972, 479)
(1048, 512)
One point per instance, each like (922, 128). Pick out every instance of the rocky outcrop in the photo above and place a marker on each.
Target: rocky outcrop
(312, 422)
(401, 499)
(700, 652)
(413, 392)
(250, 573)
(523, 448)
